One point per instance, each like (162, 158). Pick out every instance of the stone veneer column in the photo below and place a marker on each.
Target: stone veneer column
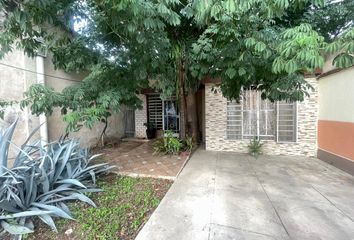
(141, 118)
(215, 126)
(215, 119)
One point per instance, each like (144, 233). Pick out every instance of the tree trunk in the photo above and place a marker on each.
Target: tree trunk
(192, 116)
(188, 107)
(183, 101)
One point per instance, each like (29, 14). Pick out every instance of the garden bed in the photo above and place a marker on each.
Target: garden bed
(122, 209)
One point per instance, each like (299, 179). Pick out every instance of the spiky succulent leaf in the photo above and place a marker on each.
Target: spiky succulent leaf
(42, 179)
(15, 229)
(5, 138)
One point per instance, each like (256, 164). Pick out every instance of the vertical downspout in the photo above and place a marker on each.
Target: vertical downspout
(42, 118)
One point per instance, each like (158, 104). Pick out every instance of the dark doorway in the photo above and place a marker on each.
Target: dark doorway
(129, 119)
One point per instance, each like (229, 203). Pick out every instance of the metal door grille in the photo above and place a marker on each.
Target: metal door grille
(155, 110)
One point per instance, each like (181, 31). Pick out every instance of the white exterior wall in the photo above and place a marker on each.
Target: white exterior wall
(216, 120)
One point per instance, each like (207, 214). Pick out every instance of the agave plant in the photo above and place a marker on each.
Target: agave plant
(41, 180)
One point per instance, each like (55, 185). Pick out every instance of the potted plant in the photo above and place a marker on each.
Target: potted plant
(150, 130)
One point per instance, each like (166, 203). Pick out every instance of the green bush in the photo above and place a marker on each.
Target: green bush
(168, 145)
(41, 180)
(172, 145)
(255, 147)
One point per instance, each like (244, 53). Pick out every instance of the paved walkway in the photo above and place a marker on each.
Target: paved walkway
(233, 196)
(137, 159)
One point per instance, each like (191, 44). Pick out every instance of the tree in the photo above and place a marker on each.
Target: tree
(265, 44)
(332, 19)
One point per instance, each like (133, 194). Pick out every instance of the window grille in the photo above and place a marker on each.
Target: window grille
(253, 116)
(155, 110)
(287, 122)
(234, 120)
(258, 116)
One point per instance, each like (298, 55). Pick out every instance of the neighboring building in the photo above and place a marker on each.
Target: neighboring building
(336, 117)
(17, 73)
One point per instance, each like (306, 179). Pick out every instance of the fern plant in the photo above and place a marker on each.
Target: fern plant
(41, 180)
(255, 147)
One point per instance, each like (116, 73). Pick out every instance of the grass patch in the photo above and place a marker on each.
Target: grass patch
(122, 208)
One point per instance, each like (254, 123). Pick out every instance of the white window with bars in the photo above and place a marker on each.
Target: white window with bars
(255, 117)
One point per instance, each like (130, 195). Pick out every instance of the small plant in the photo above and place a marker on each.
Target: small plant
(188, 144)
(168, 145)
(41, 180)
(173, 145)
(255, 147)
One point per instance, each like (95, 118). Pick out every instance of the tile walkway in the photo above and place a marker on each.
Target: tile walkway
(137, 159)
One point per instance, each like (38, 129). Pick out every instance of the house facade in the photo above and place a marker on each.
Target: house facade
(284, 128)
(320, 126)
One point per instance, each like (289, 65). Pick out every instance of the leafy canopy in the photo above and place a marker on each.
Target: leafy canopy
(268, 44)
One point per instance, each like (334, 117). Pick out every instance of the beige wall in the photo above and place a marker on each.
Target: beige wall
(13, 82)
(215, 130)
(336, 96)
(56, 126)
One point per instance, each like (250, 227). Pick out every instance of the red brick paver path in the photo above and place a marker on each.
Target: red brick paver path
(136, 158)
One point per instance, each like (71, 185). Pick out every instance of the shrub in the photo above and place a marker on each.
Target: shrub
(41, 180)
(255, 147)
(168, 145)
(172, 145)
(188, 144)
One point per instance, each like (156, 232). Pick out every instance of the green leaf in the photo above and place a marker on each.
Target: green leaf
(260, 47)
(230, 6)
(241, 71)
(291, 66)
(230, 72)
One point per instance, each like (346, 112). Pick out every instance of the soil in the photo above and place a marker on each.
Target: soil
(134, 198)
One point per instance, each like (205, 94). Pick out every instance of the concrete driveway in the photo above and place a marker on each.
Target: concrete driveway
(233, 196)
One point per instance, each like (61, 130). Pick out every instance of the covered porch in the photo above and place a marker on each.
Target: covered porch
(165, 114)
